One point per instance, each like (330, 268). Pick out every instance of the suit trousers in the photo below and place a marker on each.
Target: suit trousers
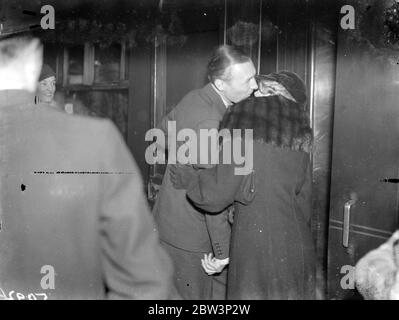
(191, 280)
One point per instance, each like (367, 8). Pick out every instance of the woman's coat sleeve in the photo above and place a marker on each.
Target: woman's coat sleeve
(215, 188)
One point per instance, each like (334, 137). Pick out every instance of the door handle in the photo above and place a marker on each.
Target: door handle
(347, 216)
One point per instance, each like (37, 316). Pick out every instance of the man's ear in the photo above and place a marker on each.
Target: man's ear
(33, 55)
(219, 84)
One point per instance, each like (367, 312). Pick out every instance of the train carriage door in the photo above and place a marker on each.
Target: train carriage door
(363, 209)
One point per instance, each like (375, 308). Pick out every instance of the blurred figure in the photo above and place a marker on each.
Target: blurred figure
(68, 230)
(377, 273)
(272, 255)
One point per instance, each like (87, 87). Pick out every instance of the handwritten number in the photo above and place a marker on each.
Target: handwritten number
(10, 295)
(42, 294)
(3, 295)
(20, 296)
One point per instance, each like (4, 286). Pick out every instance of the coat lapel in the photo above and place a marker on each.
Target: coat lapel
(213, 98)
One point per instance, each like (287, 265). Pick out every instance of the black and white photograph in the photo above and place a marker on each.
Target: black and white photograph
(214, 151)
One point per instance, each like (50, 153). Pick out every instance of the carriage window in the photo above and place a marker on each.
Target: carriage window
(75, 65)
(95, 83)
(109, 63)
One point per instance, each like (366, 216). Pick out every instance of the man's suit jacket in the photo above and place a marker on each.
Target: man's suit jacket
(72, 209)
(179, 222)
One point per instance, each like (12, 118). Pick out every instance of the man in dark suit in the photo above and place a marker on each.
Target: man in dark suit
(74, 220)
(187, 233)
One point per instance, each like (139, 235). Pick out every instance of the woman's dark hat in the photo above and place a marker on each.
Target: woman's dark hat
(291, 81)
(47, 72)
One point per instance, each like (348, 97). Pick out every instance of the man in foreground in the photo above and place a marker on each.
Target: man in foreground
(74, 220)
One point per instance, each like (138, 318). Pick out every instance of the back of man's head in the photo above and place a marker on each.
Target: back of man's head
(20, 63)
(223, 57)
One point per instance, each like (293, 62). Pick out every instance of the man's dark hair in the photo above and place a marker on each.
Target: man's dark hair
(224, 57)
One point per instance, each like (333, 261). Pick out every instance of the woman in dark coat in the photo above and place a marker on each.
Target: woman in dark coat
(272, 253)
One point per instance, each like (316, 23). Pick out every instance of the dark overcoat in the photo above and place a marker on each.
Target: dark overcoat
(74, 219)
(272, 252)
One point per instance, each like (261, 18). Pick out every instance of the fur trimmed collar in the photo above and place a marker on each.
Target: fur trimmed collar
(274, 119)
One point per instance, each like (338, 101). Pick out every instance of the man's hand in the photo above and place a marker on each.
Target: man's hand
(182, 175)
(230, 214)
(212, 265)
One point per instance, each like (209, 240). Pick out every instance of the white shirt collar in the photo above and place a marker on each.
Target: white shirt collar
(225, 102)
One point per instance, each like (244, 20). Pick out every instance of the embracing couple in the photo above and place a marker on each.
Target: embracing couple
(242, 236)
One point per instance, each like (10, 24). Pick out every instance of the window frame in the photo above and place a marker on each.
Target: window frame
(88, 71)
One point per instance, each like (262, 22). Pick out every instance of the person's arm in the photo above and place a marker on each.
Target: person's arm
(215, 188)
(214, 191)
(218, 225)
(134, 264)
